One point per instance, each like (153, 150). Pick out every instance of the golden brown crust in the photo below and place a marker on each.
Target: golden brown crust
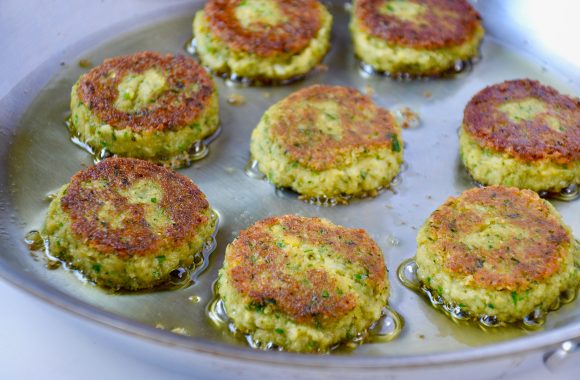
(258, 267)
(182, 202)
(363, 125)
(290, 37)
(443, 24)
(174, 109)
(513, 264)
(528, 140)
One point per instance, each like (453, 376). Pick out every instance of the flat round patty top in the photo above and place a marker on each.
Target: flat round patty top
(321, 127)
(187, 91)
(270, 263)
(525, 119)
(265, 27)
(421, 24)
(503, 238)
(128, 207)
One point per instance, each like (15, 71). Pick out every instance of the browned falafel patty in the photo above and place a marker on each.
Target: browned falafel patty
(440, 23)
(531, 129)
(301, 23)
(173, 109)
(146, 105)
(262, 40)
(328, 141)
(498, 251)
(304, 284)
(415, 37)
(128, 223)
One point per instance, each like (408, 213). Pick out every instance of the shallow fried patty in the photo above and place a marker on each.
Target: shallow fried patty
(422, 24)
(497, 251)
(419, 37)
(146, 105)
(265, 40)
(127, 223)
(522, 133)
(303, 284)
(328, 140)
(277, 27)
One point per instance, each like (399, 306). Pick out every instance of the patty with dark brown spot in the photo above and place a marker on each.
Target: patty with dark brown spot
(502, 238)
(302, 23)
(174, 109)
(552, 132)
(359, 125)
(441, 24)
(279, 261)
(183, 205)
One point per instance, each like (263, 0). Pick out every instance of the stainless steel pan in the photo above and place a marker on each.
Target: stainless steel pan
(36, 158)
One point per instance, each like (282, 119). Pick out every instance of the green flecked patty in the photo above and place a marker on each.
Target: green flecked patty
(328, 141)
(524, 134)
(499, 252)
(127, 224)
(424, 37)
(147, 105)
(262, 39)
(303, 284)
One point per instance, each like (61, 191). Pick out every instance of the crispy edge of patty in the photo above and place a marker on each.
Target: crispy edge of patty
(147, 144)
(393, 59)
(489, 167)
(527, 140)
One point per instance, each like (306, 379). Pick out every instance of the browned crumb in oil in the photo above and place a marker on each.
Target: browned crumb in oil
(322, 68)
(427, 94)
(180, 331)
(368, 90)
(85, 64)
(53, 264)
(236, 100)
(410, 118)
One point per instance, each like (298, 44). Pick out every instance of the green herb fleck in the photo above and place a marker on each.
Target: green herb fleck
(490, 305)
(515, 298)
(280, 244)
(395, 145)
(279, 331)
(325, 294)
(153, 200)
(160, 259)
(97, 268)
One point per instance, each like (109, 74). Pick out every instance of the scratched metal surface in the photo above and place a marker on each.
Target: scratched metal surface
(36, 157)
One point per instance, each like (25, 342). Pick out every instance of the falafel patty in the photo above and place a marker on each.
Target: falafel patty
(262, 39)
(127, 223)
(303, 284)
(328, 141)
(417, 37)
(146, 105)
(524, 134)
(497, 251)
